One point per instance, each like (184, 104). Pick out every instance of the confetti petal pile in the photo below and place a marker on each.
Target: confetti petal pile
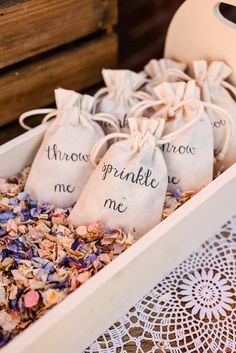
(43, 257)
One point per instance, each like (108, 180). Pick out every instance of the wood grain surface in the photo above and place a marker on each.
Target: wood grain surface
(77, 67)
(31, 27)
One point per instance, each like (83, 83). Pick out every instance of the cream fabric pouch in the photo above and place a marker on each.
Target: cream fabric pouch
(216, 90)
(128, 187)
(187, 144)
(163, 70)
(122, 92)
(62, 165)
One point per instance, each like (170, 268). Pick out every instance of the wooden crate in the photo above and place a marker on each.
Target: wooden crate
(45, 44)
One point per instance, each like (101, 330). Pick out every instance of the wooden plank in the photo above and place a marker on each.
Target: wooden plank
(13, 129)
(30, 27)
(77, 67)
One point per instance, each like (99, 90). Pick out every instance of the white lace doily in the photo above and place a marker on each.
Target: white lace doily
(193, 310)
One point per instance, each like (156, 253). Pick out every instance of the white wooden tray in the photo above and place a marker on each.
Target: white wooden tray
(74, 323)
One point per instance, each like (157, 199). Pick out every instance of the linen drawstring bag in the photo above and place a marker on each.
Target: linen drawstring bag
(163, 70)
(188, 150)
(211, 78)
(64, 99)
(62, 165)
(128, 187)
(121, 93)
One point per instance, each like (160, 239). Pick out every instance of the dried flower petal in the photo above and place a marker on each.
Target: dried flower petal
(7, 322)
(51, 297)
(2, 295)
(94, 227)
(83, 277)
(82, 230)
(43, 257)
(31, 298)
(105, 258)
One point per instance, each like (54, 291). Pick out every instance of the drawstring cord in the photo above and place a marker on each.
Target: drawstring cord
(32, 113)
(98, 97)
(102, 117)
(167, 138)
(229, 87)
(183, 76)
(52, 113)
(230, 127)
(172, 136)
(140, 95)
(97, 147)
(176, 73)
(139, 108)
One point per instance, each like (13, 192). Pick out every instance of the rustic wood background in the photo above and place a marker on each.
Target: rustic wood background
(46, 44)
(141, 28)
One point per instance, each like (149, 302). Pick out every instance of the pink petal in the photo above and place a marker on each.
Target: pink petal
(73, 284)
(93, 227)
(105, 258)
(11, 225)
(3, 186)
(81, 230)
(83, 277)
(31, 298)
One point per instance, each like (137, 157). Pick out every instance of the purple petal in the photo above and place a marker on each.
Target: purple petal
(23, 196)
(4, 217)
